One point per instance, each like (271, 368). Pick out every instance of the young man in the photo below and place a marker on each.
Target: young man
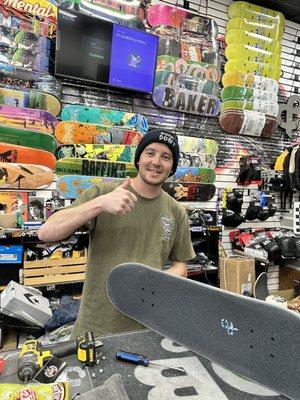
(133, 221)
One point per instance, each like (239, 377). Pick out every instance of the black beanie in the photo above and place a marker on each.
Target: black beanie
(157, 135)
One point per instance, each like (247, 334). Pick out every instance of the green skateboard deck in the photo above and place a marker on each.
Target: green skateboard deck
(248, 94)
(24, 176)
(266, 107)
(197, 152)
(194, 174)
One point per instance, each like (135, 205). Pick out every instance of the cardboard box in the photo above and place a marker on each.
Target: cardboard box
(25, 304)
(237, 274)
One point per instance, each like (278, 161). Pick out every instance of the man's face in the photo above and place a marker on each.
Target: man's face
(155, 164)
(35, 211)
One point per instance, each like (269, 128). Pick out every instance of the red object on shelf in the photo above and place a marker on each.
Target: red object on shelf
(2, 365)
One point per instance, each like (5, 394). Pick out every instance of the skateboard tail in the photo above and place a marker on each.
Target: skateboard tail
(246, 336)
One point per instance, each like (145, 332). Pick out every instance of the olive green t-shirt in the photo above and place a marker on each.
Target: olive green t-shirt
(153, 232)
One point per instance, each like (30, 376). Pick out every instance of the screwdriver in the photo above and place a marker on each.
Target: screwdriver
(140, 360)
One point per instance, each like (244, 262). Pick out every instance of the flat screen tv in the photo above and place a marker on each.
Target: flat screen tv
(96, 50)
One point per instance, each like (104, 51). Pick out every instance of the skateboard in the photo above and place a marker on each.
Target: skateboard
(109, 152)
(82, 166)
(260, 289)
(267, 70)
(186, 82)
(104, 116)
(197, 152)
(20, 154)
(266, 107)
(194, 174)
(190, 68)
(187, 101)
(28, 40)
(236, 78)
(251, 53)
(245, 122)
(21, 78)
(30, 98)
(272, 30)
(162, 14)
(190, 191)
(71, 186)
(122, 7)
(25, 59)
(253, 39)
(27, 118)
(255, 13)
(24, 176)
(248, 94)
(70, 132)
(247, 336)
(23, 137)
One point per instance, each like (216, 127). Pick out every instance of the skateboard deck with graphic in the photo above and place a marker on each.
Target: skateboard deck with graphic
(187, 101)
(255, 13)
(186, 82)
(22, 78)
(70, 132)
(23, 137)
(162, 14)
(27, 40)
(111, 152)
(27, 118)
(194, 174)
(271, 30)
(24, 176)
(252, 39)
(30, 98)
(267, 70)
(251, 53)
(104, 116)
(71, 186)
(248, 94)
(251, 338)
(266, 107)
(82, 166)
(197, 152)
(183, 191)
(20, 154)
(236, 78)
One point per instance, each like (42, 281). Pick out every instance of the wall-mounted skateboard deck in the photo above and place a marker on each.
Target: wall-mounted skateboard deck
(30, 98)
(252, 12)
(186, 82)
(250, 123)
(27, 118)
(190, 191)
(104, 116)
(162, 14)
(28, 40)
(111, 152)
(194, 174)
(186, 101)
(266, 107)
(82, 166)
(251, 53)
(247, 94)
(23, 137)
(71, 186)
(27, 155)
(272, 30)
(267, 70)
(236, 78)
(25, 58)
(24, 176)
(24, 79)
(72, 132)
(197, 152)
(190, 68)
(252, 39)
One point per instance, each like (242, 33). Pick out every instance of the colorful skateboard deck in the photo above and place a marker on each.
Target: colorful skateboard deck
(255, 13)
(21, 154)
(27, 118)
(186, 82)
(104, 116)
(197, 152)
(267, 70)
(187, 101)
(82, 166)
(27, 138)
(247, 336)
(251, 53)
(27, 40)
(110, 152)
(273, 30)
(248, 94)
(71, 132)
(190, 191)
(30, 98)
(25, 59)
(194, 174)
(266, 107)
(71, 186)
(236, 78)
(24, 176)
(162, 14)
(252, 39)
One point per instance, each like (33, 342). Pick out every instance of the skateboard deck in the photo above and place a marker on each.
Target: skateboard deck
(24, 176)
(71, 186)
(29, 40)
(24, 79)
(30, 98)
(82, 166)
(197, 152)
(236, 78)
(267, 70)
(27, 118)
(255, 13)
(25, 58)
(260, 289)
(23, 137)
(109, 152)
(186, 82)
(69, 132)
(252, 39)
(187, 101)
(266, 107)
(104, 116)
(194, 174)
(190, 191)
(21, 154)
(251, 53)
(248, 94)
(162, 14)
(247, 336)
(271, 30)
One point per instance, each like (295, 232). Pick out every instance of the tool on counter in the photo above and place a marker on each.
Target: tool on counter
(141, 360)
(34, 355)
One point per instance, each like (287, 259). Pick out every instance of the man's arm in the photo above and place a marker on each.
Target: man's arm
(64, 222)
(178, 268)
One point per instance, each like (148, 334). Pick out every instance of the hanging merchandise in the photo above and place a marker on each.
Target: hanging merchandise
(232, 201)
(250, 170)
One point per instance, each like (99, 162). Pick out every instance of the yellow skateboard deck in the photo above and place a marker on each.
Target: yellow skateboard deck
(250, 53)
(236, 78)
(235, 36)
(255, 13)
(273, 31)
(267, 70)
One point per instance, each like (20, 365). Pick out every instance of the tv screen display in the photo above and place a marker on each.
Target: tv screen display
(96, 50)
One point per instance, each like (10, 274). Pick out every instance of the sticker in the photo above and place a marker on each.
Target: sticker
(253, 123)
